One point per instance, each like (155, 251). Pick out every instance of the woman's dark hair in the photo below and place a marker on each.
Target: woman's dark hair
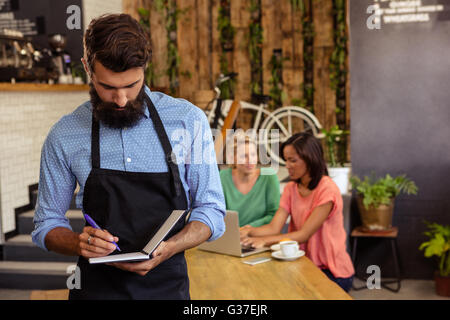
(117, 41)
(309, 150)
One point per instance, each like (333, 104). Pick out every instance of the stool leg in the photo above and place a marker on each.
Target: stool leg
(399, 257)
(396, 266)
(396, 261)
(355, 241)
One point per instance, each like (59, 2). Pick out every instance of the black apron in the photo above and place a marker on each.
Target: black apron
(131, 206)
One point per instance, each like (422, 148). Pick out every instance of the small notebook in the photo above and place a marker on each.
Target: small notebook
(145, 253)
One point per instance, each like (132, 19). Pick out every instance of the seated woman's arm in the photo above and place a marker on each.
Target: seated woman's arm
(270, 234)
(275, 226)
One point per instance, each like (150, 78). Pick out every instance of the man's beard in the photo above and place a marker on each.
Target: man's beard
(107, 112)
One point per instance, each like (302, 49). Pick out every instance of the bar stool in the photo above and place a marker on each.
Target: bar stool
(390, 235)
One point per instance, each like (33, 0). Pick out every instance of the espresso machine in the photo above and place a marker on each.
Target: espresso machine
(61, 58)
(20, 61)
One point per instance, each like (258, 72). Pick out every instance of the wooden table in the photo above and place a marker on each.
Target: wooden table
(220, 277)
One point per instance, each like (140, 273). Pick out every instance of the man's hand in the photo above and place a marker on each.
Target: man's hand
(96, 243)
(164, 251)
(191, 235)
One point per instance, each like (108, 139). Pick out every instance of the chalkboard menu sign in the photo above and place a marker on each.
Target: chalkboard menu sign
(392, 12)
(40, 18)
(400, 115)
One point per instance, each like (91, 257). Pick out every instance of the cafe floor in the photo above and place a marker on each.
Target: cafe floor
(410, 290)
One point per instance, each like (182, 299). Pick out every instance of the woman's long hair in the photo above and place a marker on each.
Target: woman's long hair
(309, 150)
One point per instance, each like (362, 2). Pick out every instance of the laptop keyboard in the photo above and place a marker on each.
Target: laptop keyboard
(247, 249)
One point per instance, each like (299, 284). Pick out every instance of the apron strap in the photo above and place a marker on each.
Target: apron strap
(162, 135)
(95, 143)
(170, 156)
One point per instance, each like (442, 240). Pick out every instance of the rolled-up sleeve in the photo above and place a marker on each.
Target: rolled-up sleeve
(56, 187)
(202, 176)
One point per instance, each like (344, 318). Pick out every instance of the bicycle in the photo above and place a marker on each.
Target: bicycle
(287, 120)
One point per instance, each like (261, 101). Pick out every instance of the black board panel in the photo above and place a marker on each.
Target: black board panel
(400, 112)
(40, 18)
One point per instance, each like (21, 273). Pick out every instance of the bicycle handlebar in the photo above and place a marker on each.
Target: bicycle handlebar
(232, 75)
(225, 77)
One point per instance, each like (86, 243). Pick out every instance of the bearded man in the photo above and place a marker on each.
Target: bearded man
(120, 149)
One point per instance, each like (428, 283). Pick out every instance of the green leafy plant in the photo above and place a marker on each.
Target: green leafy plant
(338, 69)
(276, 80)
(333, 138)
(298, 5)
(77, 70)
(226, 39)
(224, 26)
(376, 192)
(172, 14)
(438, 245)
(308, 54)
(255, 42)
(144, 21)
(338, 59)
(308, 33)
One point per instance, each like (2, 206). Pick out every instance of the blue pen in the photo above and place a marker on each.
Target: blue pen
(95, 225)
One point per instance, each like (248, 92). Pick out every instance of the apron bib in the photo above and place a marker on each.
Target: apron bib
(132, 206)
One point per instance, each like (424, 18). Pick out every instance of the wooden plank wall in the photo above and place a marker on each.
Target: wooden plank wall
(292, 46)
(199, 48)
(187, 48)
(324, 95)
(240, 19)
(271, 24)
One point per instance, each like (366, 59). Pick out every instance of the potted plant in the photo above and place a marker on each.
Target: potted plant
(338, 171)
(78, 74)
(439, 245)
(376, 197)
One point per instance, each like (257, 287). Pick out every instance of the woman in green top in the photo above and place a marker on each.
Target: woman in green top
(251, 191)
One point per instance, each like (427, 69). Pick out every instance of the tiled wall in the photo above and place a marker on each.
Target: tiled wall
(25, 119)
(95, 8)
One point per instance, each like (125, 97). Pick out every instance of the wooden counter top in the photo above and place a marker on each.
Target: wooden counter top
(221, 277)
(215, 276)
(33, 87)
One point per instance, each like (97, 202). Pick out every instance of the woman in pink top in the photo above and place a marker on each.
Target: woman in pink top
(315, 205)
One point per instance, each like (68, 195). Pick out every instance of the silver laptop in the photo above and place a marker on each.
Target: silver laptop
(145, 253)
(230, 242)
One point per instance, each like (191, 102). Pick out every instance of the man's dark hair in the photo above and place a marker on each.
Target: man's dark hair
(118, 42)
(309, 150)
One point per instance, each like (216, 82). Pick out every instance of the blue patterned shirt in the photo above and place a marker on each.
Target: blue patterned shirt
(66, 161)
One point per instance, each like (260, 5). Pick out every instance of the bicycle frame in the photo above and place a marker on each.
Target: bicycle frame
(264, 120)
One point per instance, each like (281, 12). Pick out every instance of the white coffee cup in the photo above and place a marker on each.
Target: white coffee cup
(289, 248)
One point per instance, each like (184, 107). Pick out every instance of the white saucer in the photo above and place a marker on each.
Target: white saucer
(279, 255)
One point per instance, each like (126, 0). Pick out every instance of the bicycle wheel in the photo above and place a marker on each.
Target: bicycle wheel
(288, 121)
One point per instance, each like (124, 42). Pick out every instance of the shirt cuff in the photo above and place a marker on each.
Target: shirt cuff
(216, 225)
(38, 235)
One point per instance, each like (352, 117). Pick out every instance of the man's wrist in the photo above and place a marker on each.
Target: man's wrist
(64, 241)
